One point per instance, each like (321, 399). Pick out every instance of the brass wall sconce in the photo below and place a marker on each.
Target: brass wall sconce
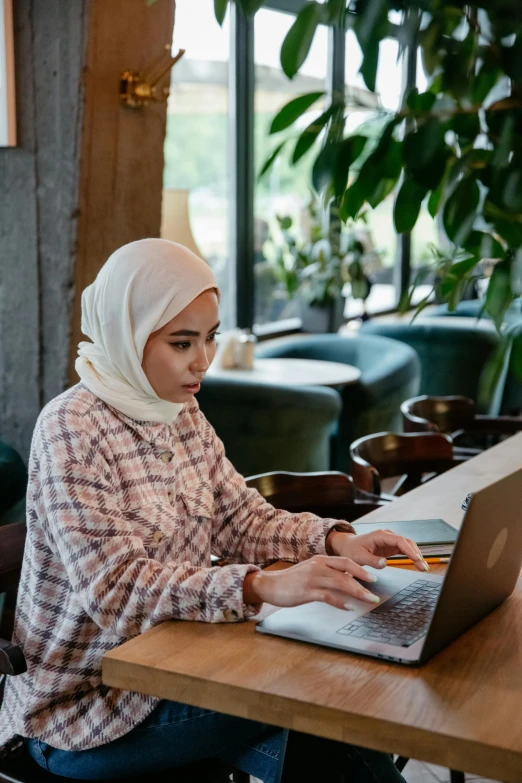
(139, 89)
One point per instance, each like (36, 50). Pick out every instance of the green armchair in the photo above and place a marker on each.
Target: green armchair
(13, 484)
(452, 353)
(474, 308)
(390, 371)
(265, 427)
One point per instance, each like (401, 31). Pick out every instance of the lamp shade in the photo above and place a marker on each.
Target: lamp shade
(175, 220)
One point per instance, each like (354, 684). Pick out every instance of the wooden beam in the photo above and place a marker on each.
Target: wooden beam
(121, 168)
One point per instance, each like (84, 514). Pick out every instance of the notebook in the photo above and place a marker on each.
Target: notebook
(434, 537)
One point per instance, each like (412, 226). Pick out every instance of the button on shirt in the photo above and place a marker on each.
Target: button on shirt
(119, 541)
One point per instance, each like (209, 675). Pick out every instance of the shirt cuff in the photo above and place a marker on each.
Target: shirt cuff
(229, 583)
(331, 524)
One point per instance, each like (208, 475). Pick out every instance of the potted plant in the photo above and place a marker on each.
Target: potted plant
(320, 270)
(455, 145)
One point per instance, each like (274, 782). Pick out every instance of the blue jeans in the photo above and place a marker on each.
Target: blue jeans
(173, 735)
(176, 734)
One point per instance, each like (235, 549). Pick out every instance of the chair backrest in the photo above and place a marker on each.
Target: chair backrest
(456, 417)
(12, 542)
(368, 352)
(453, 352)
(327, 494)
(411, 456)
(437, 414)
(270, 427)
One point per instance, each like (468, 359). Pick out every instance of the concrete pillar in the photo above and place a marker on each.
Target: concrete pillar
(85, 178)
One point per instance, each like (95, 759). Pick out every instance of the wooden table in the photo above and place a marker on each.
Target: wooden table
(293, 372)
(463, 709)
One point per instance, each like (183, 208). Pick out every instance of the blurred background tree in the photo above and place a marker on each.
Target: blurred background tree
(457, 144)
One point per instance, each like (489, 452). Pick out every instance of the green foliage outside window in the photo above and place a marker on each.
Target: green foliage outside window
(458, 143)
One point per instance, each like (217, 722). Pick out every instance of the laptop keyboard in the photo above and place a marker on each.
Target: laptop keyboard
(401, 620)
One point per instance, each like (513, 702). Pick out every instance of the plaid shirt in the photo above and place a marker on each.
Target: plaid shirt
(122, 518)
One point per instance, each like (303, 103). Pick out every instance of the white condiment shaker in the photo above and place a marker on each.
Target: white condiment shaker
(245, 349)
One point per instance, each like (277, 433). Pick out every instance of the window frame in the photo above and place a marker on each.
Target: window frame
(242, 86)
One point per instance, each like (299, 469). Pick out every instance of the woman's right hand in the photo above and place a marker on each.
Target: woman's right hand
(321, 578)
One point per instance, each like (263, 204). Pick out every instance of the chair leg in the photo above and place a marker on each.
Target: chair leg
(457, 777)
(401, 762)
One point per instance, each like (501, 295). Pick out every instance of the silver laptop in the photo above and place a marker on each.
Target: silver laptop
(419, 614)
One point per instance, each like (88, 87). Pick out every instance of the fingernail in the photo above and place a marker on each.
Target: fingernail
(383, 562)
(374, 599)
(372, 577)
(348, 607)
(425, 566)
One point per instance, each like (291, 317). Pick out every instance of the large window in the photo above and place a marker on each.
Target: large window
(224, 94)
(196, 195)
(285, 191)
(376, 232)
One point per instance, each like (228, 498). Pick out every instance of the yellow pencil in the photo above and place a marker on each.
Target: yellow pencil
(407, 561)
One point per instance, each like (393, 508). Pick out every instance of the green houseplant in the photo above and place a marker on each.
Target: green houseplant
(317, 269)
(456, 145)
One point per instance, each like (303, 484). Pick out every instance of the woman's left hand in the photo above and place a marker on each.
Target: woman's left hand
(372, 549)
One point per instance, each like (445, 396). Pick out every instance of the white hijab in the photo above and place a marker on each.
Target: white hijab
(139, 289)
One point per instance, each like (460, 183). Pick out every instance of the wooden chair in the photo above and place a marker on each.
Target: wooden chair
(327, 494)
(19, 767)
(456, 416)
(414, 457)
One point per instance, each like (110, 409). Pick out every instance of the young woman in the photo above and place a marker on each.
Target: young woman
(129, 494)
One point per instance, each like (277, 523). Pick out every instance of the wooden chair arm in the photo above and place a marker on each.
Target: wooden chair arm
(12, 660)
(501, 425)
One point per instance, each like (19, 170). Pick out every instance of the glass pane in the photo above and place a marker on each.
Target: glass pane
(284, 191)
(365, 116)
(196, 174)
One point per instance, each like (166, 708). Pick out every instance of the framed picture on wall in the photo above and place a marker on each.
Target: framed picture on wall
(7, 80)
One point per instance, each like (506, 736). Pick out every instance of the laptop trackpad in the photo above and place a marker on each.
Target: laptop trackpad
(309, 620)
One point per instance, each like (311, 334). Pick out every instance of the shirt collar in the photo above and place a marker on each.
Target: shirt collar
(156, 433)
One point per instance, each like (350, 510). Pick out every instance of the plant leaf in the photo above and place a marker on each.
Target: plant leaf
(324, 166)
(284, 222)
(499, 294)
(459, 210)
(512, 190)
(298, 40)
(425, 153)
(483, 245)
(310, 134)
(270, 160)
(370, 63)
(407, 206)
(435, 198)
(492, 374)
(514, 59)
(484, 83)
(293, 110)
(429, 41)
(353, 200)
(419, 147)
(467, 126)
(348, 151)
(220, 10)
